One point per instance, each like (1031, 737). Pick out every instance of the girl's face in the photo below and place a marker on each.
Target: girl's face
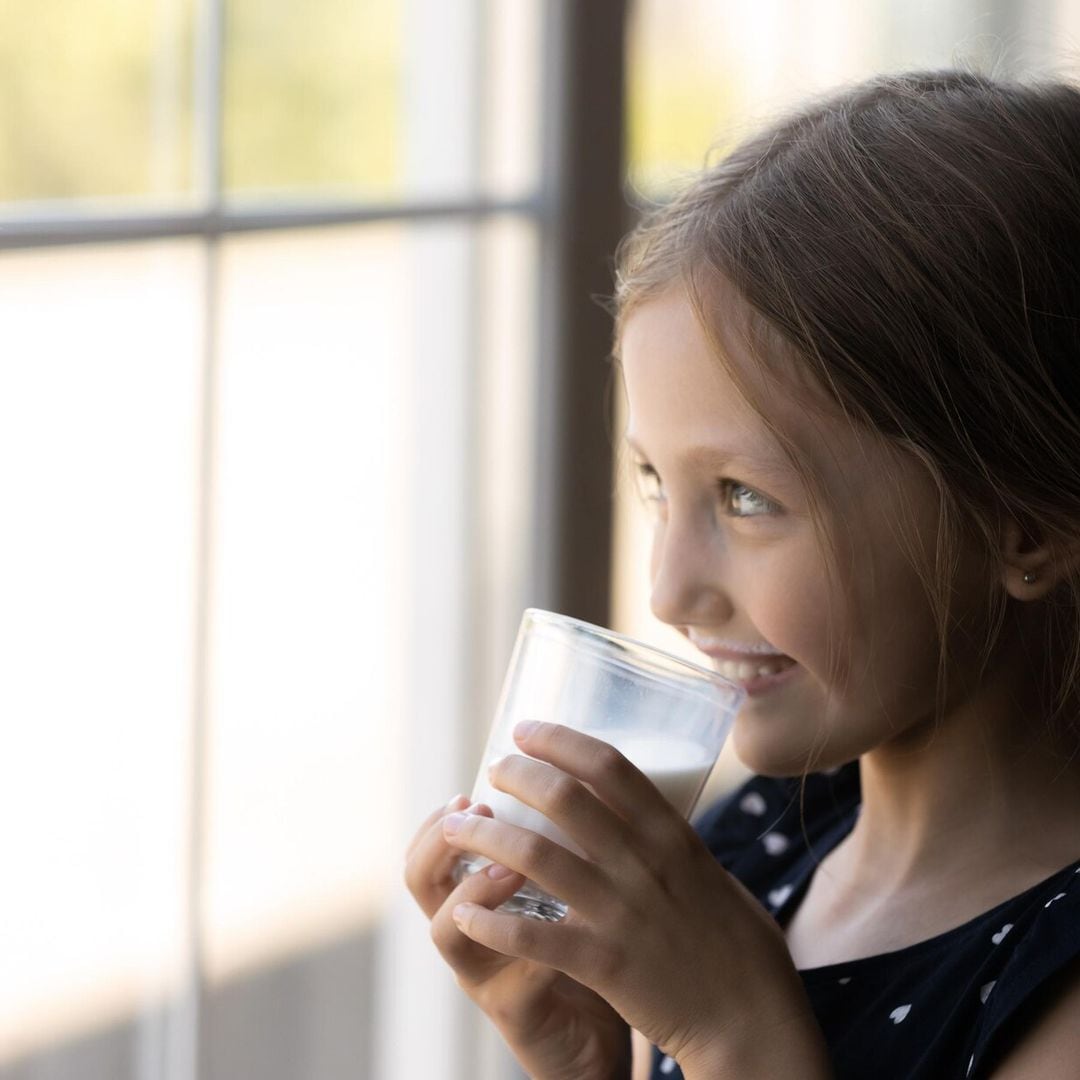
(736, 564)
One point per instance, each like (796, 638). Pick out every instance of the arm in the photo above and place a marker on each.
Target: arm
(1050, 1048)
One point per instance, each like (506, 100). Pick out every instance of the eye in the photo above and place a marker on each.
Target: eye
(650, 489)
(742, 501)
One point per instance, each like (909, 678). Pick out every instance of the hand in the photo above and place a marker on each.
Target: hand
(557, 1028)
(656, 927)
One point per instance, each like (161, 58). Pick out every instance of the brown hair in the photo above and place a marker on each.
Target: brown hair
(913, 244)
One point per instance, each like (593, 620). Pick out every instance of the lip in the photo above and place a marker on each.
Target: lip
(710, 648)
(756, 684)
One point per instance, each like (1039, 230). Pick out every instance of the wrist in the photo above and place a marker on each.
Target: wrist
(794, 1048)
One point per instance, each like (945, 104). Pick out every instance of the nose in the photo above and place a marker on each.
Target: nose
(687, 570)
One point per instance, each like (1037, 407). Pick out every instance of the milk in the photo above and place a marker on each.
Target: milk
(678, 767)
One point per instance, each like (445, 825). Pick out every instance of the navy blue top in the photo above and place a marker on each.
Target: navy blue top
(942, 1008)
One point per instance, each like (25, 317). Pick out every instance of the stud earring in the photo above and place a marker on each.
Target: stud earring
(1029, 577)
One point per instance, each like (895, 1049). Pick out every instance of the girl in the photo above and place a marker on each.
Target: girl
(851, 353)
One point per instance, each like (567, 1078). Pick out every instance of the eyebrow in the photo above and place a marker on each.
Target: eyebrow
(719, 457)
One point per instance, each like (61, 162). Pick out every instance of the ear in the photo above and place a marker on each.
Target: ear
(1026, 554)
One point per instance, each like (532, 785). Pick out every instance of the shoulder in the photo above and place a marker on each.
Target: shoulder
(1050, 1044)
(1032, 1027)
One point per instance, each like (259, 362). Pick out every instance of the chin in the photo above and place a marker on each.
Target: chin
(769, 754)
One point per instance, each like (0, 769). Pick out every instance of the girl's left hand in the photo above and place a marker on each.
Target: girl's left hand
(656, 927)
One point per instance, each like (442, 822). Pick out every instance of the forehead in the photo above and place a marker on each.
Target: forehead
(684, 399)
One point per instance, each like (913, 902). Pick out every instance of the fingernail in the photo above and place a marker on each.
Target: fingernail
(453, 823)
(461, 913)
(498, 872)
(493, 765)
(458, 802)
(525, 729)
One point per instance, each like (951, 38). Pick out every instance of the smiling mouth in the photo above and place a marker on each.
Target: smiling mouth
(744, 671)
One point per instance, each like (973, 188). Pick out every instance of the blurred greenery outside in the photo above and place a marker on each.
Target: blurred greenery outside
(97, 98)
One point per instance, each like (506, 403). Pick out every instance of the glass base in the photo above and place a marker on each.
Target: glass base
(530, 901)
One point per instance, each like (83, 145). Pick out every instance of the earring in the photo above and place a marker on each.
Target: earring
(1029, 577)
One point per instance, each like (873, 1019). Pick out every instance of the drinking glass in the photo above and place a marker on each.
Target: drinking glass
(668, 716)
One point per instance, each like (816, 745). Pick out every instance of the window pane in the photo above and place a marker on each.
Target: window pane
(312, 605)
(96, 99)
(99, 412)
(313, 96)
(418, 99)
(700, 72)
(355, 510)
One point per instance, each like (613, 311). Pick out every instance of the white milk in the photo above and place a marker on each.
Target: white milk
(677, 767)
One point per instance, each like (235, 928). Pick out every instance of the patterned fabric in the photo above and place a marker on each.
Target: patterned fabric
(942, 1008)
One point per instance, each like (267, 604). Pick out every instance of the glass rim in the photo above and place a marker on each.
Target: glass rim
(663, 661)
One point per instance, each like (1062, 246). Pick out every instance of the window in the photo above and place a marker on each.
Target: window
(263, 270)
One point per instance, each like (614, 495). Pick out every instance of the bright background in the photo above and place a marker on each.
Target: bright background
(271, 494)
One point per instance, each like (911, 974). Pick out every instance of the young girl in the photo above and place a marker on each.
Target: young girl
(851, 353)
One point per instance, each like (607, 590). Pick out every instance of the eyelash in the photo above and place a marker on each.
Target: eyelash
(647, 475)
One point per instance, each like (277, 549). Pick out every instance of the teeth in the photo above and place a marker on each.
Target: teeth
(741, 670)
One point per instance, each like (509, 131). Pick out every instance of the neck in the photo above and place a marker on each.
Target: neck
(990, 781)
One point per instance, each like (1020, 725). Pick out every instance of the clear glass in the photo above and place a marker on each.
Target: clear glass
(666, 715)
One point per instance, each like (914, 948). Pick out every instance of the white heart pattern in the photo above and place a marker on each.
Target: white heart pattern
(778, 896)
(984, 990)
(667, 1065)
(775, 843)
(844, 981)
(999, 937)
(753, 802)
(899, 1014)
(1052, 899)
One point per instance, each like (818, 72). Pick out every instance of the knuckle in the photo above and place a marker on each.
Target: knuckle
(520, 937)
(534, 849)
(563, 793)
(609, 762)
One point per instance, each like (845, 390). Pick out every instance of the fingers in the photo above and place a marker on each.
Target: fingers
(556, 870)
(617, 782)
(429, 868)
(565, 946)
(458, 802)
(481, 889)
(564, 800)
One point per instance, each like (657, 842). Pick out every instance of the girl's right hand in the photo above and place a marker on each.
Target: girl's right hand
(555, 1027)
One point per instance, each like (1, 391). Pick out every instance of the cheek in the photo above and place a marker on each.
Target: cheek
(791, 601)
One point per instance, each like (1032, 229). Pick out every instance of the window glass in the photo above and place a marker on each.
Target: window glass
(100, 398)
(701, 74)
(313, 97)
(96, 99)
(422, 100)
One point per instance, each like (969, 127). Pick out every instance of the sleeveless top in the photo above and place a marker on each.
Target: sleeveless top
(945, 1007)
